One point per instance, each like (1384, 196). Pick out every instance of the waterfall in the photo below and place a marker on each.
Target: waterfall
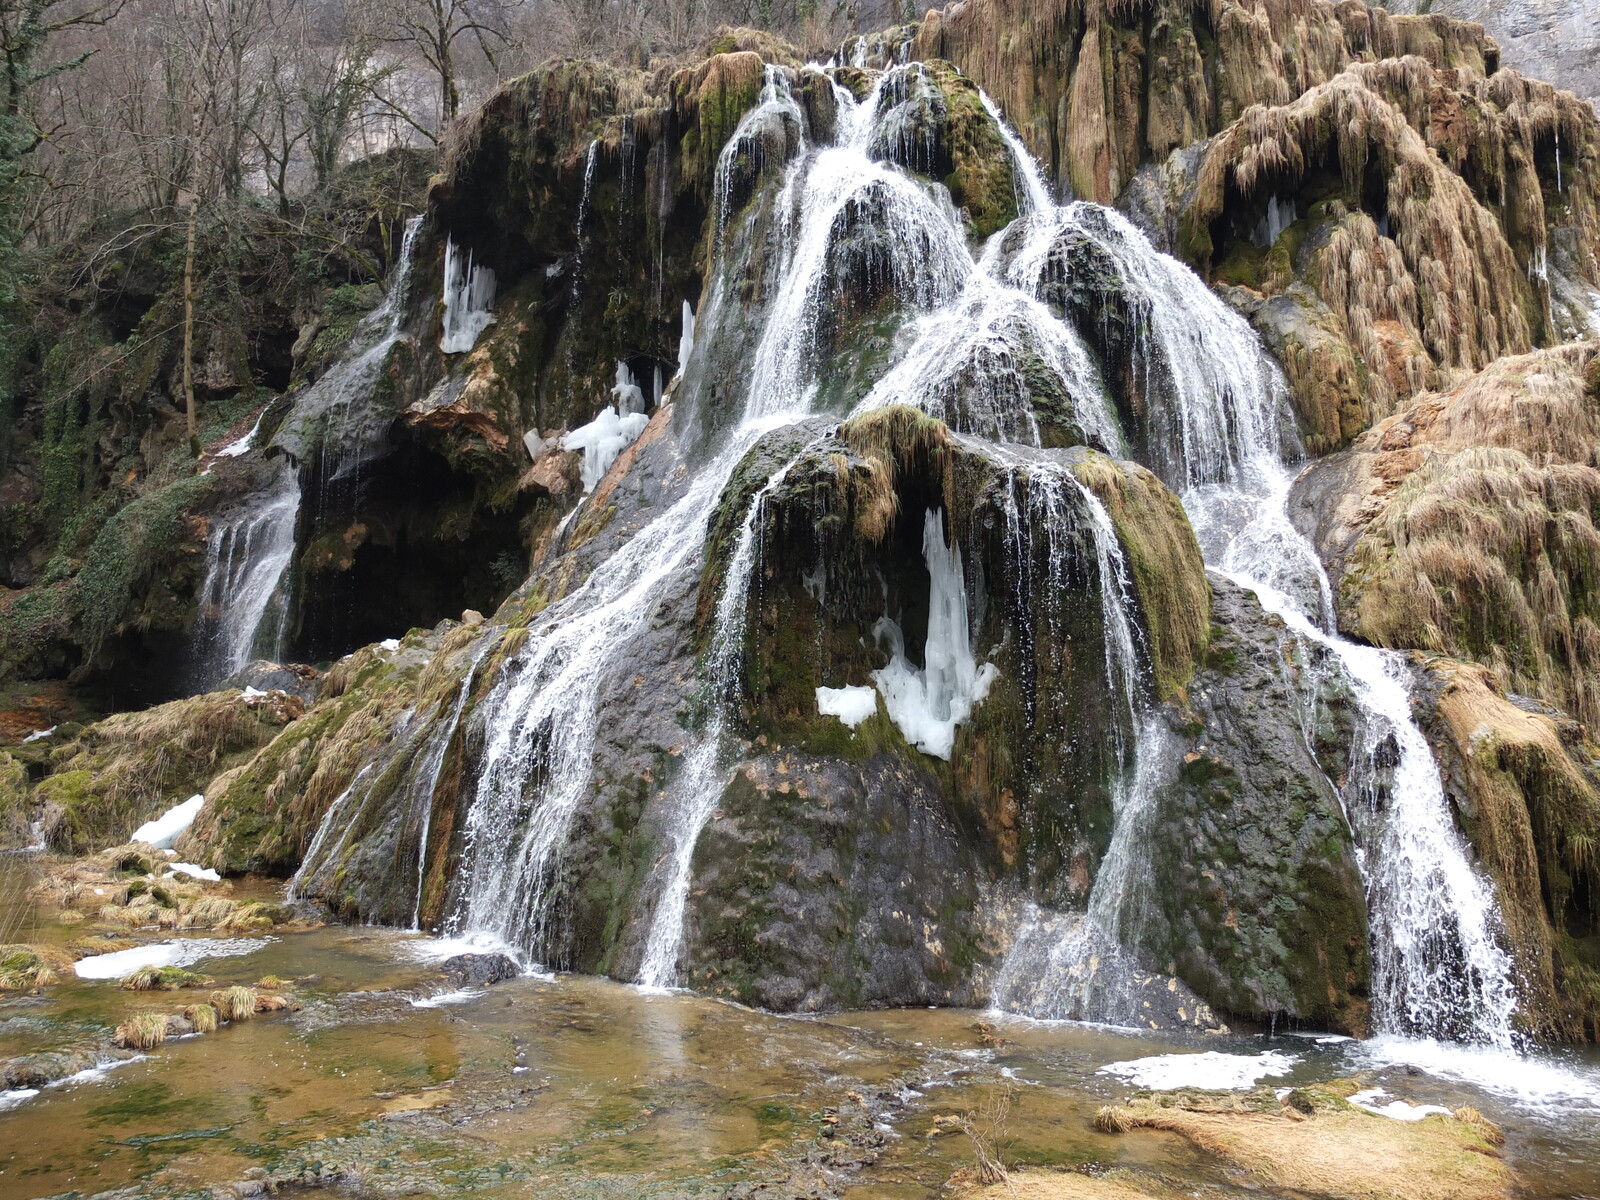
(774, 112)
(244, 595)
(537, 763)
(986, 338)
(698, 787)
(1217, 434)
(425, 783)
(333, 819)
(245, 592)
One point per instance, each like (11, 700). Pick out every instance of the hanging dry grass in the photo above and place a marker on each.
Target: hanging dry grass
(1479, 538)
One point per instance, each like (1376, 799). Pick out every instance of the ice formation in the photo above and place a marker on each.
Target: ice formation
(928, 703)
(601, 440)
(468, 299)
(686, 340)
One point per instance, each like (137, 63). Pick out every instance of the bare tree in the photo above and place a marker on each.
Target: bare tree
(432, 29)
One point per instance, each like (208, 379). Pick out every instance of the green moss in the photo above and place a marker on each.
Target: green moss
(127, 558)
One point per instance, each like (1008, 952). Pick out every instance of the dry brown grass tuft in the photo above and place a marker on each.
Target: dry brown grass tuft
(234, 1003)
(202, 1016)
(142, 1031)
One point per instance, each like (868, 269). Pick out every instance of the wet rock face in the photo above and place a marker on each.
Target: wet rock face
(828, 884)
(479, 970)
(1262, 904)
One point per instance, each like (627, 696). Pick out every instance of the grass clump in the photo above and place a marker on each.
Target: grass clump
(142, 1031)
(234, 1003)
(202, 1016)
(162, 979)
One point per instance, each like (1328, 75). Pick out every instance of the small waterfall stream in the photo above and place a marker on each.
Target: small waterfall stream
(244, 598)
(245, 593)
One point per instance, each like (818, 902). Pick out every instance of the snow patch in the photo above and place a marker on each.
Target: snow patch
(165, 830)
(1395, 1110)
(38, 735)
(928, 703)
(1211, 1070)
(191, 869)
(852, 705)
(165, 954)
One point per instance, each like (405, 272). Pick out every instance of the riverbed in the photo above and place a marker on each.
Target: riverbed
(392, 1080)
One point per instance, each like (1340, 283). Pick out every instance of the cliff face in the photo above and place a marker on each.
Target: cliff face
(1557, 40)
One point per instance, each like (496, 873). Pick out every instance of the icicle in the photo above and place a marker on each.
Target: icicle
(686, 339)
(468, 299)
(928, 703)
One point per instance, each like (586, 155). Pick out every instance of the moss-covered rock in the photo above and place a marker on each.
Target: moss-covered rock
(122, 771)
(1262, 908)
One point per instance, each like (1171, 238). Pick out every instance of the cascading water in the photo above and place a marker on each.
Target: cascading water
(538, 760)
(426, 781)
(244, 595)
(699, 784)
(1213, 423)
(1439, 969)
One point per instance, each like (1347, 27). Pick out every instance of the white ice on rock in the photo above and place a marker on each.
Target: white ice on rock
(928, 703)
(164, 831)
(193, 869)
(1395, 1110)
(468, 299)
(176, 953)
(627, 395)
(850, 704)
(602, 439)
(1211, 1070)
(686, 339)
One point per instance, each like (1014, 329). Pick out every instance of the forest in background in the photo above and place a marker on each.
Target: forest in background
(128, 120)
